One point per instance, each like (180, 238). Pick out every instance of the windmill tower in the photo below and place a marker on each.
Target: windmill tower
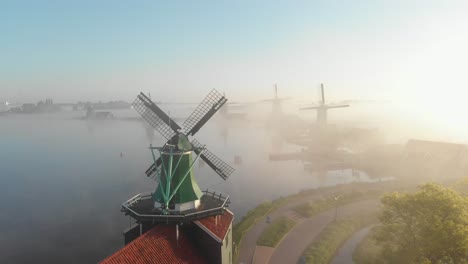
(277, 108)
(178, 204)
(322, 109)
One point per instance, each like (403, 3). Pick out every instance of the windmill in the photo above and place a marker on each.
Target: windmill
(178, 197)
(277, 109)
(322, 109)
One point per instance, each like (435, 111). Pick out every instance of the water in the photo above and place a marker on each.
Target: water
(62, 180)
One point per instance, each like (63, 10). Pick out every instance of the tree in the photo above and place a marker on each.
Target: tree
(429, 226)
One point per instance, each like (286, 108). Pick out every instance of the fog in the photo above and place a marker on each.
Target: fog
(63, 179)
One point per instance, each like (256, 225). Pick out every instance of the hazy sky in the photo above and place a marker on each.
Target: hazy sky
(102, 50)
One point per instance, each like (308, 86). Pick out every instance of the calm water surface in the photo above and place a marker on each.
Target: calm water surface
(62, 180)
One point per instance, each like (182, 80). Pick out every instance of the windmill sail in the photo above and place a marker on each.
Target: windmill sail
(223, 169)
(172, 132)
(155, 116)
(154, 170)
(205, 110)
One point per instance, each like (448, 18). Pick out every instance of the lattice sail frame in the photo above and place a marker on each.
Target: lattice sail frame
(143, 105)
(223, 169)
(204, 111)
(169, 129)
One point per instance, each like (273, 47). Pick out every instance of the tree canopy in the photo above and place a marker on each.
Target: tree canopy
(428, 226)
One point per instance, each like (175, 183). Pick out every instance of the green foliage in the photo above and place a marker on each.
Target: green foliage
(252, 217)
(368, 252)
(332, 237)
(275, 232)
(429, 226)
(462, 186)
(310, 209)
(249, 220)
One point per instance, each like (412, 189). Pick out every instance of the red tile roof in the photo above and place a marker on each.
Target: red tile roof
(158, 245)
(217, 228)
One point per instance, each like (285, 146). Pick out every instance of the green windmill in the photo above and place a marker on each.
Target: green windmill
(177, 191)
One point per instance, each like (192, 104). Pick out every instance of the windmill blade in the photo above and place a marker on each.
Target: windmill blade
(155, 116)
(154, 170)
(223, 169)
(277, 99)
(309, 108)
(338, 106)
(205, 110)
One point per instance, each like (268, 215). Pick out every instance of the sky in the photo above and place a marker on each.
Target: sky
(407, 51)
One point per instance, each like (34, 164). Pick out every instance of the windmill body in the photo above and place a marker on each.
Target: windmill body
(177, 181)
(276, 103)
(322, 109)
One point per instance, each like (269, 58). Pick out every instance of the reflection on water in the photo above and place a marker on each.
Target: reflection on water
(63, 180)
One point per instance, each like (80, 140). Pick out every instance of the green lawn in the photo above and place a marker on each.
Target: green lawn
(310, 209)
(256, 214)
(322, 250)
(275, 232)
(252, 217)
(367, 252)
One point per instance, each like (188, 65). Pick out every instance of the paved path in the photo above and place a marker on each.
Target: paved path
(296, 241)
(262, 254)
(249, 242)
(345, 253)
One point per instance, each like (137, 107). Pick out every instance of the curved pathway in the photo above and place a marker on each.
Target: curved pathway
(296, 241)
(345, 253)
(249, 242)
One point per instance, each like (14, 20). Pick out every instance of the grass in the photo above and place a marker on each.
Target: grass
(310, 209)
(322, 250)
(275, 232)
(256, 214)
(367, 252)
(250, 219)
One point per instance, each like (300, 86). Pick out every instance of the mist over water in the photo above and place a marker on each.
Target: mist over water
(64, 180)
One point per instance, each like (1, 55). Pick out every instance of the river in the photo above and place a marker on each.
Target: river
(63, 180)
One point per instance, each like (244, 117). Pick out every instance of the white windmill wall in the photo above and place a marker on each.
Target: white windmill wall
(187, 206)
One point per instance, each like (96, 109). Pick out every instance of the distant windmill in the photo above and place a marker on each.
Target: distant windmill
(322, 109)
(277, 110)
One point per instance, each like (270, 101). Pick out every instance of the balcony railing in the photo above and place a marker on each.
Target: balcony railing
(149, 215)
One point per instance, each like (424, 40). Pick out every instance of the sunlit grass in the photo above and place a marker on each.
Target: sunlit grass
(273, 234)
(310, 209)
(333, 236)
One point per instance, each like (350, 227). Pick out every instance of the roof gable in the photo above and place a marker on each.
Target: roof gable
(216, 228)
(158, 245)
